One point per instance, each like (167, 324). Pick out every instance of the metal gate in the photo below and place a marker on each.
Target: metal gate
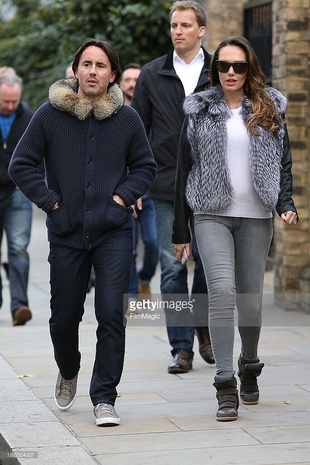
(258, 30)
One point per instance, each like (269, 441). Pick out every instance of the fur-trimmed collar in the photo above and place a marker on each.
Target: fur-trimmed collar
(63, 96)
(213, 98)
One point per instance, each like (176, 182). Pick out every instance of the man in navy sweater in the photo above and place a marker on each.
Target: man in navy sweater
(98, 162)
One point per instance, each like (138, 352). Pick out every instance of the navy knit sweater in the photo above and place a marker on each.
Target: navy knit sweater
(90, 153)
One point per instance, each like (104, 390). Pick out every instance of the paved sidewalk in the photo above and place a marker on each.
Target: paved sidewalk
(165, 419)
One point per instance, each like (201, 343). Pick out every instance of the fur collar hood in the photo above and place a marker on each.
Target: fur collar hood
(213, 100)
(63, 96)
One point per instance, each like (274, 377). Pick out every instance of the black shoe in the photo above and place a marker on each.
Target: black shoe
(181, 363)
(228, 400)
(248, 372)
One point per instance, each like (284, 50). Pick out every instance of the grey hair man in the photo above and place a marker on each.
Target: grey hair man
(15, 208)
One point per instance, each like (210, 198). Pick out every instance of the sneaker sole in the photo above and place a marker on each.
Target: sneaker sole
(107, 421)
(67, 406)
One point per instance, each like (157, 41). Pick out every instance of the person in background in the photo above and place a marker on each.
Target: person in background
(69, 72)
(15, 208)
(7, 70)
(128, 81)
(144, 219)
(158, 97)
(234, 169)
(98, 162)
(4, 70)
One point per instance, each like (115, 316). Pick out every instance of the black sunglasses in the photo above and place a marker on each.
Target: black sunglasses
(239, 67)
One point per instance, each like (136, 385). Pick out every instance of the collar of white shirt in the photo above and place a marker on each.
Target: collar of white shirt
(189, 72)
(199, 57)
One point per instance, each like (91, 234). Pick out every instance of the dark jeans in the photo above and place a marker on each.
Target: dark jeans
(69, 274)
(180, 326)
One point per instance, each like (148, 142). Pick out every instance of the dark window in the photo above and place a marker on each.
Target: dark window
(258, 30)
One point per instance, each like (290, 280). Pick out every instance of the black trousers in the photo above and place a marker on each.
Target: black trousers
(69, 275)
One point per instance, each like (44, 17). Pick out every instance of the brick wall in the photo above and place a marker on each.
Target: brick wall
(291, 52)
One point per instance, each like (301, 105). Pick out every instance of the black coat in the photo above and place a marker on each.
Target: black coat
(158, 98)
(23, 116)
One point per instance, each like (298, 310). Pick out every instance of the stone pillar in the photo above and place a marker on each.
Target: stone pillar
(291, 70)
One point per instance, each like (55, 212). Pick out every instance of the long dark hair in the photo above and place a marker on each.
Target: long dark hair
(108, 50)
(265, 113)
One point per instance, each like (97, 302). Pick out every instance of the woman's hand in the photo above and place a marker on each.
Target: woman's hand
(179, 248)
(289, 217)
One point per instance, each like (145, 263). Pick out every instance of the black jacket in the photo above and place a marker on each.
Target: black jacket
(23, 116)
(158, 98)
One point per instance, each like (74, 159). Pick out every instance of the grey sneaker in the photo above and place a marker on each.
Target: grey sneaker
(106, 415)
(65, 392)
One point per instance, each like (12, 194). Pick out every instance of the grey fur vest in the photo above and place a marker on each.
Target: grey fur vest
(208, 188)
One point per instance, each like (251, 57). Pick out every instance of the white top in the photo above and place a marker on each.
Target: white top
(246, 202)
(189, 72)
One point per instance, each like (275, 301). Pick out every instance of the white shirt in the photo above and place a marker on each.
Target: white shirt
(246, 202)
(189, 72)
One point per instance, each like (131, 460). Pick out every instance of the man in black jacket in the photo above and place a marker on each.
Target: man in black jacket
(158, 97)
(15, 208)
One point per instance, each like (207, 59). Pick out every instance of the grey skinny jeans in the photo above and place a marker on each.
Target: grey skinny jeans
(234, 253)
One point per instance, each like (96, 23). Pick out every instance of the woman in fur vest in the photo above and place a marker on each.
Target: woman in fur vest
(234, 169)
